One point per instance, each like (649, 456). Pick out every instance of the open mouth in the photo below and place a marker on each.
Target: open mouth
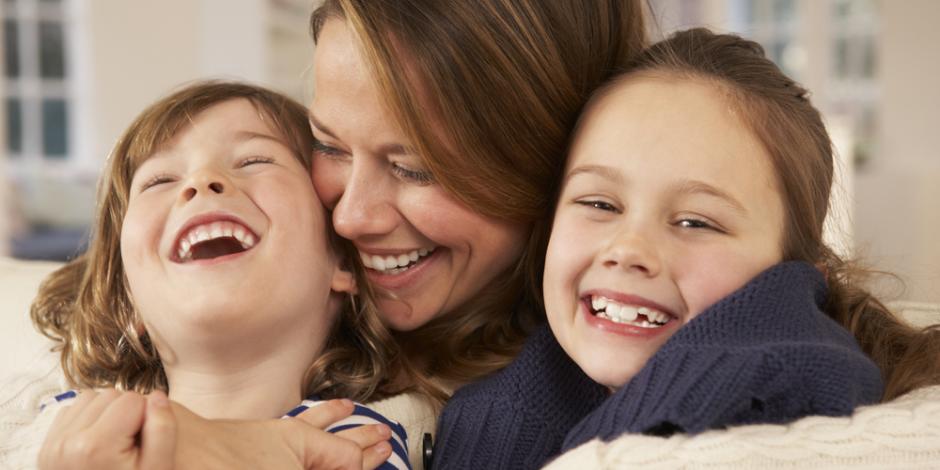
(213, 240)
(395, 264)
(643, 317)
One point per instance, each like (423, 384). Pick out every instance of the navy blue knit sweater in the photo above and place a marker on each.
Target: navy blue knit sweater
(764, 354)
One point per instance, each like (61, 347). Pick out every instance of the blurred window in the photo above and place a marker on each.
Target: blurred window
(36, 69)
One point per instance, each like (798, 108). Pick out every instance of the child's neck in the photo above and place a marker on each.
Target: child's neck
(239, 386)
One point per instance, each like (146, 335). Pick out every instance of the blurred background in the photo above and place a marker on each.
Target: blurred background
(75, 72)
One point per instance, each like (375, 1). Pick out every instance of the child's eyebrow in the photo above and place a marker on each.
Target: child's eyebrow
(243, 136)
(691, 187)
(605, 172)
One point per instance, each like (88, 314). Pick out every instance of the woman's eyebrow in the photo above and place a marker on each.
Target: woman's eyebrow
(319, 125)
(384, 149)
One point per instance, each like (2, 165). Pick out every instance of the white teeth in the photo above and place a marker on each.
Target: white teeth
(378, 263)
(216, 230)
(613, 309)
(393, 264)
(621, 313)
(628, 313)
(212, 231)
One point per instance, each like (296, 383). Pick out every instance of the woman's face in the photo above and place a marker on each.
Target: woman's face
(429, 252)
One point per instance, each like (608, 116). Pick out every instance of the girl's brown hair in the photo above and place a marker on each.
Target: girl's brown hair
(85, 306)
(503, 82)
(779, 113)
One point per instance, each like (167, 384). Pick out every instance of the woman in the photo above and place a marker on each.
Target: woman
(441, 128)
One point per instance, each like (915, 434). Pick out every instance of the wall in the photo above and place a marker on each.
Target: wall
(898, 198)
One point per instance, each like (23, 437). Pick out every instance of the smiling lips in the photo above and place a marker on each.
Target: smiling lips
(213, 239)
(640, 316)
(395, 264)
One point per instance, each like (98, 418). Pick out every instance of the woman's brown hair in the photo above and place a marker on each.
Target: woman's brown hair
(503, 82)
(780, 114)
(85, 306)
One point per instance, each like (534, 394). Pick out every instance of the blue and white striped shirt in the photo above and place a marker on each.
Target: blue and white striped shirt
(361, 416)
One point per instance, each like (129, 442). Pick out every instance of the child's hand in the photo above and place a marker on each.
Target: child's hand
(101, 430)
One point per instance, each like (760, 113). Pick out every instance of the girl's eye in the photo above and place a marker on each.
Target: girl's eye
(156, 180)
(696, 224)
(319, 148)
(599, 205)
(420, 177)
(254, 160)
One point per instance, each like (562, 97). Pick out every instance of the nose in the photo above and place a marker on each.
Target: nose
(634, 251)
(206, 182)
(367, 206)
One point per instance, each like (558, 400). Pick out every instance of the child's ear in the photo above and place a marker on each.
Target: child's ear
(343, 281)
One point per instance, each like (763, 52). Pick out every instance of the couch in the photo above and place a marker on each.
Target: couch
(904, 433)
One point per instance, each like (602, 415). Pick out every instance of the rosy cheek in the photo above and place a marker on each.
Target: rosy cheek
(710, 277)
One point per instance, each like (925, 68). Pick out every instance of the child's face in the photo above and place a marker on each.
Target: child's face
(668, 205)
(224, 238)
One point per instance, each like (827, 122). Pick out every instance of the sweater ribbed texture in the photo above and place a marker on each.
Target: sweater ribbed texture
(517, 418)
(765, 354)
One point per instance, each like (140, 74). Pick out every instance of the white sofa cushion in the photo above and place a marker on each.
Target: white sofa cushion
(20, 343)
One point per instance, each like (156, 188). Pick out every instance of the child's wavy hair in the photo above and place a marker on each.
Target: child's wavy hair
(779, 113)
(85, 306)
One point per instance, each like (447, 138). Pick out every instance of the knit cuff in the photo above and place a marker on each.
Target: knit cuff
(697, 389)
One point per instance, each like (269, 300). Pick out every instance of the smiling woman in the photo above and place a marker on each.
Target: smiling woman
(440, 129)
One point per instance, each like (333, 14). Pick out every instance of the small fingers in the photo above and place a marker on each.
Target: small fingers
(158, 437)
(325, 414)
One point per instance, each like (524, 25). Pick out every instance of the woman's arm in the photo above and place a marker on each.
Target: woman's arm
(279, 443)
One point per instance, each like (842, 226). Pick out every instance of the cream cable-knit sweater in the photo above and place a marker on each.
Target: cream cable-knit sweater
(902, 434)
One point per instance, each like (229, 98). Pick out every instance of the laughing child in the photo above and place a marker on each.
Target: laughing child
(686, 275)
(212, 276)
